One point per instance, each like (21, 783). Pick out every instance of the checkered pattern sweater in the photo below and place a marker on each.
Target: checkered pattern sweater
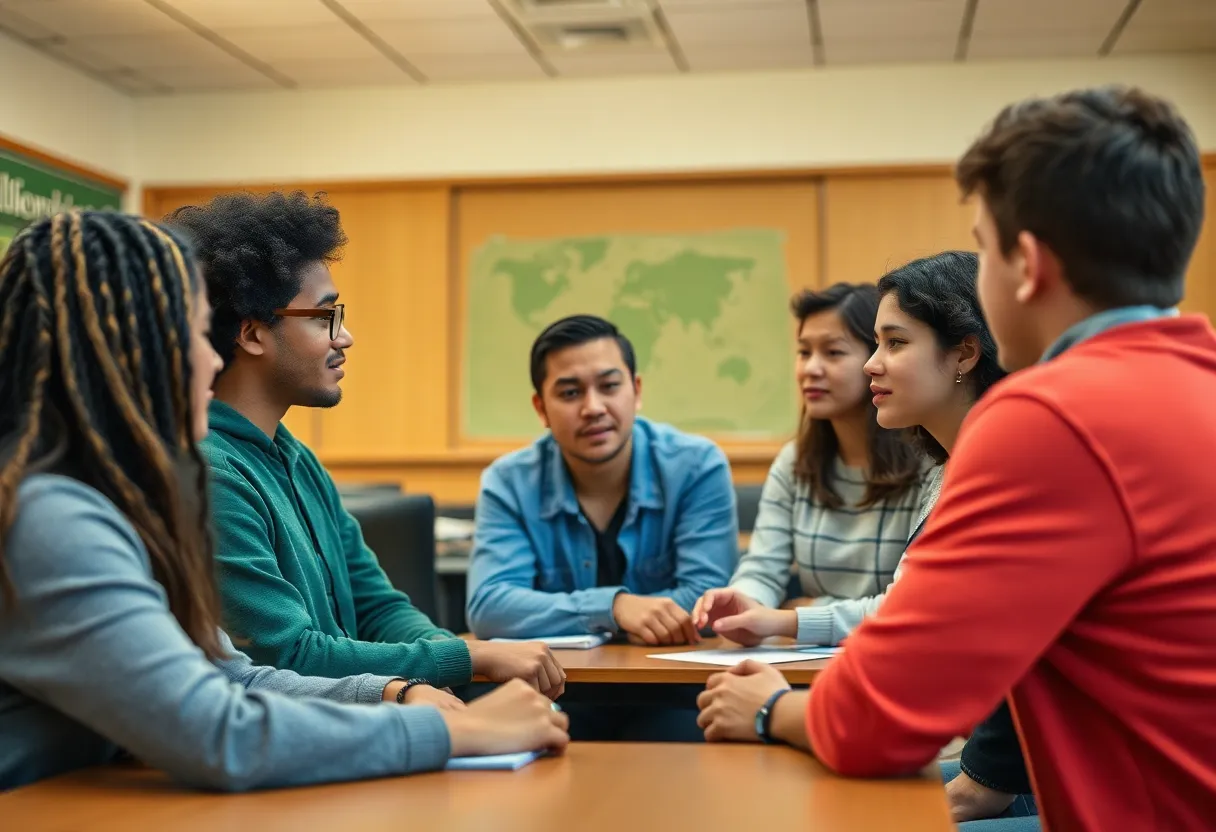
(839, 553)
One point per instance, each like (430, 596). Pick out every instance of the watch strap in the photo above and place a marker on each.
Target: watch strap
(409, 683)
(764, 716)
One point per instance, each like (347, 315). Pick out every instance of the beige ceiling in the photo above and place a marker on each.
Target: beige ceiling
(167, 46)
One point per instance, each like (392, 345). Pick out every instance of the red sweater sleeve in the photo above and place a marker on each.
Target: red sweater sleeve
(1028, 528)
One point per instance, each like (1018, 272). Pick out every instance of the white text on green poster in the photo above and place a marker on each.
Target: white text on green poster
(31, 190)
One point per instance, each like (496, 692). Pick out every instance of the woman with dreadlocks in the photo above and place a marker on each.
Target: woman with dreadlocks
(109, 619)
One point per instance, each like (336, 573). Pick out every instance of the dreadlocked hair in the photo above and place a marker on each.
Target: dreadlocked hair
(95, 379)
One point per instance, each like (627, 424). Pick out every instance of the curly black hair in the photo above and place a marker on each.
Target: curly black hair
(252, 248)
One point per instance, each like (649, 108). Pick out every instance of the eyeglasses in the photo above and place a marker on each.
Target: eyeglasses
(335, 314)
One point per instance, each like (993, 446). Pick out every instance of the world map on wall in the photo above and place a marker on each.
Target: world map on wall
(708, 316)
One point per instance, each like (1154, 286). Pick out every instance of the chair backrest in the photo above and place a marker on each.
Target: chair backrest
(747, 499)
(400, 529)
(351, 489)
(457, 511)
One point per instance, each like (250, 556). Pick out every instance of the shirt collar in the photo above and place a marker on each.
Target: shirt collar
(557, 489)
(224, 418)
(1102, 321)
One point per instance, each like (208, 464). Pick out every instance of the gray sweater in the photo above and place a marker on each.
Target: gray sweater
(91, 662)
(840, 556)
(832, 623)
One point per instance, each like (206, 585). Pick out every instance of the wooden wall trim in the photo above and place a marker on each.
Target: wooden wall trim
(153, 191)
(542, 180)
(42, 156)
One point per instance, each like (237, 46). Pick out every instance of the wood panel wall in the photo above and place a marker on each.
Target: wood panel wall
(400, 278)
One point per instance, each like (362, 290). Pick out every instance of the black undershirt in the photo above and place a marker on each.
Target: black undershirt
(609, 557)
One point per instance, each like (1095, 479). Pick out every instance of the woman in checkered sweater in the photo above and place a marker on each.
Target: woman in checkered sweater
(841, 499)
(933, 359)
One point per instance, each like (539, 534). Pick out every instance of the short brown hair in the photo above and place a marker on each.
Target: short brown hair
(1108, 178)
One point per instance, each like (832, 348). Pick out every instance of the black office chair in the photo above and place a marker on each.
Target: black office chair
(352, 489)
(400, 529)
(747, 500)
(457, 511)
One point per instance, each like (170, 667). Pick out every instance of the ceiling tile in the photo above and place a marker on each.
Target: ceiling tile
(448, 37)
(1036, 46)
(22, 27)
(169, 49)
(1045, 18)
(323, 41)
(368, 10)
(83, 56)
(612, 63)
(1163, 40)
(79, 18)
(1170, 26)
(343, 73)
(137, 85)
(876, 51)
(221, 76)
(253, 14)
(483, 67)
(713, 59)
(1165, 13)
(764, 26)
(861, 20)
(726, 4)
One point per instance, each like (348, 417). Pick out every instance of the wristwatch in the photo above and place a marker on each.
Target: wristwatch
(409, 683)
(764, 716)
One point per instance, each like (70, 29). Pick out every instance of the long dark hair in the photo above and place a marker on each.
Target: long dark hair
(940, 292)
(894, 464)
(95, 336)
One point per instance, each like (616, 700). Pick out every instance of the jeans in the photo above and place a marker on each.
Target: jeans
(1021, 816)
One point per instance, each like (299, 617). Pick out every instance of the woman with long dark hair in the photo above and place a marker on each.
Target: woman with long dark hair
(109, 618)
(840, 500)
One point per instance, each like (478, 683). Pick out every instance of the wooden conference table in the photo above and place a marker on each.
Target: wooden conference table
(595, 786)
(628, 663)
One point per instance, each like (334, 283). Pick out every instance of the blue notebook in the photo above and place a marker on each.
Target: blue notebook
(494, 762)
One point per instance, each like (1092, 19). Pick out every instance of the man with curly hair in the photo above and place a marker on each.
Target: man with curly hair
(300, 588)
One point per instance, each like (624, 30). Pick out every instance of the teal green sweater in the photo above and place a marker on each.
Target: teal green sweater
(301, 590)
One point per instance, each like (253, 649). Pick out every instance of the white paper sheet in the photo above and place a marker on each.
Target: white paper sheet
(494, 762)
(766, 654)
(579, 642)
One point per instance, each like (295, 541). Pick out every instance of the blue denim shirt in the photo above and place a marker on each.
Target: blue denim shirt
(533, 571)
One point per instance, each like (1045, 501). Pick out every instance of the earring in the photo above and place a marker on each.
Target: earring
(959, 378)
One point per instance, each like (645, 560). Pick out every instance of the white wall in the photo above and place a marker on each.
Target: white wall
(49, 106)
(760, 120)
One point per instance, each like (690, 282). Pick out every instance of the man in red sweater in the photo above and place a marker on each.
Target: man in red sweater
(1070, 564)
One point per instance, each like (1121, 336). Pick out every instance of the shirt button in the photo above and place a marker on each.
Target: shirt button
(586, 564)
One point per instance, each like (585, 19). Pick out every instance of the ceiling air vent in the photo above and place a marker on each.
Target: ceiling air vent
(629, 33)
(528, 8)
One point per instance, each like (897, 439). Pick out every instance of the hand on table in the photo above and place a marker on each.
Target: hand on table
(731, 700)
(509, 719)
(735, 616)
(653, 620)
(531, 661)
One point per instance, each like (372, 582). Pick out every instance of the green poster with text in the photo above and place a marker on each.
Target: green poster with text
(31, 190)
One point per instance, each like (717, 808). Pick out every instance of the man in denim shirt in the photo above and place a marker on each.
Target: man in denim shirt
(609, 523)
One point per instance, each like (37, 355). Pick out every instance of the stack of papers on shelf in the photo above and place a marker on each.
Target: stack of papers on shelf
(449, 528)
(585, 641)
